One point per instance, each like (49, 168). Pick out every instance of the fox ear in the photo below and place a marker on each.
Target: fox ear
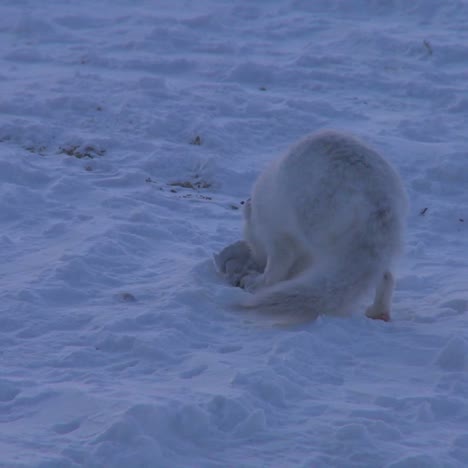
(247, 208)
(220, 266)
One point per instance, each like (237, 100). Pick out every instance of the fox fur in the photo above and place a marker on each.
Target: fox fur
(324, 224)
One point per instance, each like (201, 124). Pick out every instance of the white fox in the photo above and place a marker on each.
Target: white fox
(323, 224)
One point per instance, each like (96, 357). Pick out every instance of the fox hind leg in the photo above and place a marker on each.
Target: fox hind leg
(380, 309)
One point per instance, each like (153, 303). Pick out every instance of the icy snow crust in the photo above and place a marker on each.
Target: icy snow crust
(118, 346)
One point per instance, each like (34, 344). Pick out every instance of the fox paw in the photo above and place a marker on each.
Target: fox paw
(378, 315)
(251, 281)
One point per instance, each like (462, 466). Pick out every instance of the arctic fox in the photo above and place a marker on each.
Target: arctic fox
(323, 224)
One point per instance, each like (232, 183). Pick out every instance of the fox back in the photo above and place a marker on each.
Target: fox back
(328, 215)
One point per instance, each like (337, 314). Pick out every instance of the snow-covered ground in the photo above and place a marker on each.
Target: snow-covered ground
(130, 132)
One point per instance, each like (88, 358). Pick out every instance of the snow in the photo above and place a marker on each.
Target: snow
(118, 346)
